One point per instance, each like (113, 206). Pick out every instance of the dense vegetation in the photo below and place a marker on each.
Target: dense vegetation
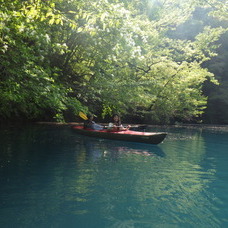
(152, 60)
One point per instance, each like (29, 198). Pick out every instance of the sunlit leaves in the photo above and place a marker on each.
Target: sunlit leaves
(219, 9)
(119, 55)
(29, 83)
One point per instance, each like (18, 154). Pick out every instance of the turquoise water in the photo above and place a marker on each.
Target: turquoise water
(52, 177)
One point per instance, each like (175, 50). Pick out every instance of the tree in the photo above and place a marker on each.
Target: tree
(107, 55)
(30, 85)
(146, 68)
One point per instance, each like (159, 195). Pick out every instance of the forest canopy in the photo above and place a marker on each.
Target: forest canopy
(148, 59)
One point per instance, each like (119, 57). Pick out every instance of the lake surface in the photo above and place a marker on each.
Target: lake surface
(53, 177)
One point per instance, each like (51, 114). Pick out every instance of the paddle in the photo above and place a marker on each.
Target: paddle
(83, 116)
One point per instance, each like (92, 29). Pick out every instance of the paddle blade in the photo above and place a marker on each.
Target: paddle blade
(83, 116)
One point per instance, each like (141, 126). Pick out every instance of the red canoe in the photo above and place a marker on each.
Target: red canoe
(132, 136)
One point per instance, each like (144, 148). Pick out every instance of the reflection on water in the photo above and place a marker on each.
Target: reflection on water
(51, 177)
(98, 148)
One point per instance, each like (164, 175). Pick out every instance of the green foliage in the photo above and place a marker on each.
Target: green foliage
(30, 85)
(120, 55)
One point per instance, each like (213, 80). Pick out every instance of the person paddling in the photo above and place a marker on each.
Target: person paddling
(116, 125)
(90, 124)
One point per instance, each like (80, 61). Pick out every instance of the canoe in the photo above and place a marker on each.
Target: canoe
(129, 135)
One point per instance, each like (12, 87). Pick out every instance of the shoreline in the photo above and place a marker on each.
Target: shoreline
(196, 126)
